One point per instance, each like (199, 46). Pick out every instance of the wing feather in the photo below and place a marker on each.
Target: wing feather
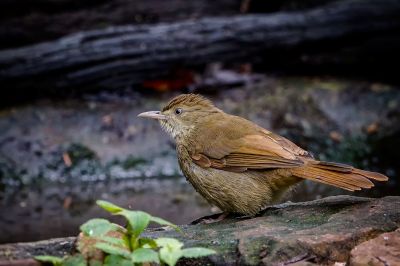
(251, 147)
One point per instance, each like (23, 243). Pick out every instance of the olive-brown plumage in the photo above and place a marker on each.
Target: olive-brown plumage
(239, 166)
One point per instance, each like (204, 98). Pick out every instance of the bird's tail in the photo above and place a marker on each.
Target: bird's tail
(338, 175)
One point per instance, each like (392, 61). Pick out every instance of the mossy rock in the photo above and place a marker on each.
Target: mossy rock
(319, 232)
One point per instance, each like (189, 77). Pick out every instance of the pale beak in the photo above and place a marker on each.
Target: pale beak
(153, 115)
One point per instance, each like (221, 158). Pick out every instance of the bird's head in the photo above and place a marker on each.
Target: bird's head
(182, 114)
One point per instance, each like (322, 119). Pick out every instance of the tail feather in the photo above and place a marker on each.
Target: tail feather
(338, 175)
(337, 167)
(371, 175)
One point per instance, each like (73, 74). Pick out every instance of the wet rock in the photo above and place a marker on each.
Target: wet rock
(332, 230)
(57, 246)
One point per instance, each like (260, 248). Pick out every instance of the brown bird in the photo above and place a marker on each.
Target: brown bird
(239, 166)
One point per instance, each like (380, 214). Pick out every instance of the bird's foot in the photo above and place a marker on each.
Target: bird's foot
(210, 219)
(214, 218)
(268, 209)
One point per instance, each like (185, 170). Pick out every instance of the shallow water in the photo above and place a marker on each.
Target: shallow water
(55, 209)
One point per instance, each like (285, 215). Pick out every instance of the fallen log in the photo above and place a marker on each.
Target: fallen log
(26, 22)
(319, 232)
(120, 57)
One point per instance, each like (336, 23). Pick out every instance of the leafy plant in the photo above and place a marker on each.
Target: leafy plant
(125, 246)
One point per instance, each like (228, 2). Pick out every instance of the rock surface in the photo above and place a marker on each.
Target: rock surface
(341, 229)
(382, 250)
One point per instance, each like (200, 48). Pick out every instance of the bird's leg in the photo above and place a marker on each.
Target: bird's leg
(268, 209)
(214, 218)
(219, 218)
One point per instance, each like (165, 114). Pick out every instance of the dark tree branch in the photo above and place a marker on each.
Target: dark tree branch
(119, 57)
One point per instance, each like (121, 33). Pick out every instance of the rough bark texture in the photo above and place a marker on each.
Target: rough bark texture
(25, 22)
(31, 21)
(334, 229)
(119, 57)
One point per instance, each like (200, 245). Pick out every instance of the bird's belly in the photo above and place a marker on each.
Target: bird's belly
(245, 193)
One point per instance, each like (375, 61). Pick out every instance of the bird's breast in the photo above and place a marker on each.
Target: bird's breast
(245, 193)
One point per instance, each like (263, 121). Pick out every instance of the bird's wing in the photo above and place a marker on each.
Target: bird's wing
(248, 147)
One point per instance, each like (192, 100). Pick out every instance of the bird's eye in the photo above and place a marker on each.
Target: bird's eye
(178, 111)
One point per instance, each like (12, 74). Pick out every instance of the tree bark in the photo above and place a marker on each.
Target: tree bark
(120, 57)
(26, 22)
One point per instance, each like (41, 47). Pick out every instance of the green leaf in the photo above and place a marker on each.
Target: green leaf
(50, 259)
(114, 241)
(138, 220)
(77, 260)
(126, 240)
(197, 252)
(97, 227)
(115, 260)
(170, 256)
(170, 251)
(171, 243)
(94, 262)
(114, 250)
(141, 255)
(164, 222)
(108, 206)
(147, 243)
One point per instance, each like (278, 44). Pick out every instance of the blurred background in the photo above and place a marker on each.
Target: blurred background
(75, 74)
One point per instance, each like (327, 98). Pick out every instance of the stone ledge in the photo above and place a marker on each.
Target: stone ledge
(320, 232)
